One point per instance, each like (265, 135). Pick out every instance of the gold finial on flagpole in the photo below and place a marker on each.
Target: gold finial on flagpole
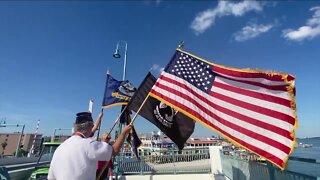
(181, 45)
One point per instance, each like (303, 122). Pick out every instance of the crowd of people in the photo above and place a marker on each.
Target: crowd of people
(82, 157)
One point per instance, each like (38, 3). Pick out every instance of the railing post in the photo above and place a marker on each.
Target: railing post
(271, 171)
(173, 159)
(235, 158)
(141, 165)
(216, 156)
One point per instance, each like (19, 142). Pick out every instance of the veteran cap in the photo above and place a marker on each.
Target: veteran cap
(83, 117)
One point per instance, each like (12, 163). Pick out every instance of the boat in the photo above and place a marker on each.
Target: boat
(304, 145)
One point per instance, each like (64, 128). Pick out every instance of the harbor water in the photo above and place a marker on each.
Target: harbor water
(307, 153)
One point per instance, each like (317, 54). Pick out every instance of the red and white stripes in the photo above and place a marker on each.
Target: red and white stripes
(34, 138)
(253, 109)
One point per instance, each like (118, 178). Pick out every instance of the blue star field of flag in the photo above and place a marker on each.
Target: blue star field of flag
(195, 71)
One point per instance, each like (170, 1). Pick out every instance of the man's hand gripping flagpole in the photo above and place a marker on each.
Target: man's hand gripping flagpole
(131, 123)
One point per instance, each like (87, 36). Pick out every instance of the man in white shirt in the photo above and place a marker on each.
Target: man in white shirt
(76, 158)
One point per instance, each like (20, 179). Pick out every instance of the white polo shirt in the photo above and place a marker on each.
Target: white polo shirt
(77, 158)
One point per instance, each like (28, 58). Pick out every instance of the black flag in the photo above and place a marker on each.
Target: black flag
(135, 142)
(175, 125)
(133, 138)
(125, 116)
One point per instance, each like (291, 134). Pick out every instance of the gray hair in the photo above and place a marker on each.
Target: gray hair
(83, 127)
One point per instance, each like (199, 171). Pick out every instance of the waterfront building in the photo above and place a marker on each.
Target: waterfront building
(155, 143)
(9, 143)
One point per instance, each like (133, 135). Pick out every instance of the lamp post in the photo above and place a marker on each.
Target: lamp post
(18, 146)
(117, 56)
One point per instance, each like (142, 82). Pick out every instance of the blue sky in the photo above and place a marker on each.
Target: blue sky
(54, 55)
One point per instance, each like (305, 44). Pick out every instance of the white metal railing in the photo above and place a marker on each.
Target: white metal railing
(176, 162)
(235, 168)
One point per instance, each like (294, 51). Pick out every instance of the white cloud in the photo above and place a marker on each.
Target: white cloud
(206, 19)
(308, 31)
(156, 69)
(251, 31)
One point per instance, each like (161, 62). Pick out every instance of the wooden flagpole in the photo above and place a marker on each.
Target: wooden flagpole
(114, 125)
(135, 116)
(99, 126)
(117, 120)
(131, 123)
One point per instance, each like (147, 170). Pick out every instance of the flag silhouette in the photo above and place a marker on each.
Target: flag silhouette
(175, 125)
(132, 138)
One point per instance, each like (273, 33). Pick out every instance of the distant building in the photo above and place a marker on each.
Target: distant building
(59, 138)
(154, 143)
(47, 138)
(9, 143)
(201, 142)
(61, 134)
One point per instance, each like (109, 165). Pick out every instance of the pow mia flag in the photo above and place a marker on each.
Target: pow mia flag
(174, 124)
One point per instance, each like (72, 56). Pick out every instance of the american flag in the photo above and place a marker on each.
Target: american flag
(253, 109)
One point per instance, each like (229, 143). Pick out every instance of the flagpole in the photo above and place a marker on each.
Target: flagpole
(131, 123)
(114, 125)
(116, 121)
(135, 116)
(99, 126)
(181, 45)
(101, 112)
